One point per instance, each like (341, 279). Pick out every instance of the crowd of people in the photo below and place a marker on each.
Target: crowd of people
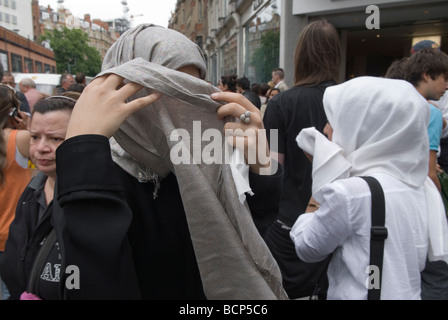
(88, 181)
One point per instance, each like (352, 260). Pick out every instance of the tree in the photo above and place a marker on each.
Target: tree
(266, 58)
(72, 51)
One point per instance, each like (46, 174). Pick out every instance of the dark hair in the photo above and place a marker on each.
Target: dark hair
(430, 61)
(397, 69)
(274, 89)
(230, 81)
(264, 88)
(8, 101)
(80, 77)
(318, 54)
(76, 87)
(54, 103)
(244, 83)
(255, 87)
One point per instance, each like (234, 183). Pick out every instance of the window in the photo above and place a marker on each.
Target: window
(262, 44)
(29, 65)
(7, 18)
(39, 67)
(46, 68)
(200, 10)
(6, 3)
(13, 4)
(14, 20)
(4, 60)
(16, 62)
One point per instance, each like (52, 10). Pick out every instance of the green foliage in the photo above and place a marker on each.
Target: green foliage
(72, 51)
(266, 58)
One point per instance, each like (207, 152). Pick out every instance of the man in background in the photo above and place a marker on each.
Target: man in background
(8, 78)
(278, 76)
(28, 87)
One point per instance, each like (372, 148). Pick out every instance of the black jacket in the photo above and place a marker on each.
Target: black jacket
(25, 237)
(126, 244)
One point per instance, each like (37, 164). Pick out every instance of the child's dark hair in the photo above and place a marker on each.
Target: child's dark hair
(430, 61)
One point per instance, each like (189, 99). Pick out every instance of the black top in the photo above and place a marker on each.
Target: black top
(31, 225)
(125, 244)
(253, 97)
(289, 112)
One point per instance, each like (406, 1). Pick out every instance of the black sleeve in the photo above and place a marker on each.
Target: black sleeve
(273, 120)
(96, 219)
(265, 201)
(24, 105)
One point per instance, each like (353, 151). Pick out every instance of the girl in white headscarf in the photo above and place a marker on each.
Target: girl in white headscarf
(378, 128)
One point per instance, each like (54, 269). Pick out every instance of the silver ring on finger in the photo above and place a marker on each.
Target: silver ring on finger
(245, 117)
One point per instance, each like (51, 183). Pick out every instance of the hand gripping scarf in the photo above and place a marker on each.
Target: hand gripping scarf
(233, 260)
(380, 125)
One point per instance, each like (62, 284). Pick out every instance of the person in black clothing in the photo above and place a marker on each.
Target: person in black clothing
(243, 87)
(8, 78)
(317, 60)
(32, 222)
(133, 239)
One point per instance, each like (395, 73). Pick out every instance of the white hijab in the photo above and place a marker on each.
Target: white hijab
(379, 126)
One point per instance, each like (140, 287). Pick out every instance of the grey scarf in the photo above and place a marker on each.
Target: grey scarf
(234, 261)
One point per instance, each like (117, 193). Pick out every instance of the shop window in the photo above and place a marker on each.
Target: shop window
(262, 42)
(39, 67)
(229, 57)
(29, 68)
(16, 63)
(4, 60)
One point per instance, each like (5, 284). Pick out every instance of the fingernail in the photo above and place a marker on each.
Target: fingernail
(214, 95)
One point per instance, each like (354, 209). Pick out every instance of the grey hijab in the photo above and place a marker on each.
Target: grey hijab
(234, 261)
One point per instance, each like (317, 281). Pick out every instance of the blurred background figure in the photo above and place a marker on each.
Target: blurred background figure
(14, 172)
(28, 87)
(8, 78)
(66, 81)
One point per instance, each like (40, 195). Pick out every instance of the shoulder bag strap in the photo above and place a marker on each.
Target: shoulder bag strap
(378, 233)
(40, 261)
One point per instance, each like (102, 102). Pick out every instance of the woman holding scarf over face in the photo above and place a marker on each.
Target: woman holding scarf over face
(377, 127)
(137, 225)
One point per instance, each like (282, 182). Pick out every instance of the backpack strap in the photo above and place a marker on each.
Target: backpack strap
(40, 261)
(379, 232)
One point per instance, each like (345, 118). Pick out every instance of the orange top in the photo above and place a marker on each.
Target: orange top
(16, 179)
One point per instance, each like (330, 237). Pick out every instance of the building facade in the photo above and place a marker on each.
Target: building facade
(251, 37)
(19, 54)
(237, 36)
(367, 50)
(100, 33)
